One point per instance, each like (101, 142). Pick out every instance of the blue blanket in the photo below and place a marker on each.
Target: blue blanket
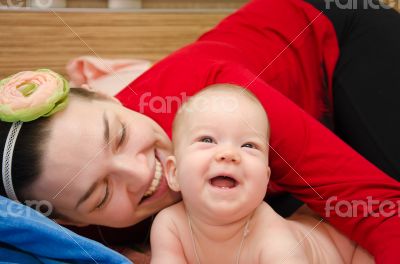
(27, 236)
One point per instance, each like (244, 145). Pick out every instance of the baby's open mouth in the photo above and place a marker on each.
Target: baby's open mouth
(224, 182)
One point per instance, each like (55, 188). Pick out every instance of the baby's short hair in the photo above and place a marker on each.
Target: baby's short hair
(223, 87)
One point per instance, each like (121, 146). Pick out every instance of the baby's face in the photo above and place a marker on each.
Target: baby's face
(222, 155)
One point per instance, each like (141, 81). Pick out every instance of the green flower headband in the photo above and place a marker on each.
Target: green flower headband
(28, 95)
(24, 97)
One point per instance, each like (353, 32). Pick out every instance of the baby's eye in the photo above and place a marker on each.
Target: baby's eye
(248, 145)
(206, 140)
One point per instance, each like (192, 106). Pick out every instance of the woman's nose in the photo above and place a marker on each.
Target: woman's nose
(134, 173)
(228, 155)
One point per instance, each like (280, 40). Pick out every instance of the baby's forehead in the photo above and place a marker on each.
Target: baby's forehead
(214, 98)
(214, 105)
(223, 101)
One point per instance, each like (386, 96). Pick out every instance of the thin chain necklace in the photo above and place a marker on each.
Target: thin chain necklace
(245, 233)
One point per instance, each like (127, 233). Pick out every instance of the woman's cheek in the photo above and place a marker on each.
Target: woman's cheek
(121, 203)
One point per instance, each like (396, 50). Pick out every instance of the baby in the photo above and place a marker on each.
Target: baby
(220, 166)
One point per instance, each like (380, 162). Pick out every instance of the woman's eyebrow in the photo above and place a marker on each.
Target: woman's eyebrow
(106, 128)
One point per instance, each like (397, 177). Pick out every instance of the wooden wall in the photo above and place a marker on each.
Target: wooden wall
(167, 3)
(31, 40)
(193, 3)
(87, 3)
(147, 3)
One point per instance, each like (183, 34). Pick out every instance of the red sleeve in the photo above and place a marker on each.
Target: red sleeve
(289, 44)
(310, 162)
(307, 160)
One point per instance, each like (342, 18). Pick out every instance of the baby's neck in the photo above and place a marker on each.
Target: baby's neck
(218, 232)
(216, 243)
(224, 242)
(231, 229)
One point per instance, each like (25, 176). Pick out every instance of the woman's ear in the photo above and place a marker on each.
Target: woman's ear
(171, 174)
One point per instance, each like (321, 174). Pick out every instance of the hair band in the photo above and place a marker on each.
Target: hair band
(24, 97)
(7, 160)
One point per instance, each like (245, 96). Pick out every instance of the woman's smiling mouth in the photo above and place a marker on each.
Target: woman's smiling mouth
(156, 180)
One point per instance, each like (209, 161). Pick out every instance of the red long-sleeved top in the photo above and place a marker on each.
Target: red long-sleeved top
(279, 50)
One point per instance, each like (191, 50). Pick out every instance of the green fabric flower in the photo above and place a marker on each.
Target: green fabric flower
(28, 95)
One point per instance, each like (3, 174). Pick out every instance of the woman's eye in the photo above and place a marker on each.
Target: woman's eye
(248, 145)
(206, 140)
(105, 198)
(121, 136)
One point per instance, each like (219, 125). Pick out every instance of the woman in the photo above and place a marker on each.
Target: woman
(266, 46)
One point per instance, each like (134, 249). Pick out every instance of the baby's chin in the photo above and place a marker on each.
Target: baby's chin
(222, 215)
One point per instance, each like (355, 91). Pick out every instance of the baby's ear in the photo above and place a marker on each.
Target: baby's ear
(269, 172)
(172, 178)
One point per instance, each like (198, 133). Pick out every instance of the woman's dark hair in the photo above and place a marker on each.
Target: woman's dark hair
(29, 149)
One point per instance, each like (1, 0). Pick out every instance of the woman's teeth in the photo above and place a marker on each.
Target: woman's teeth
(156, 180)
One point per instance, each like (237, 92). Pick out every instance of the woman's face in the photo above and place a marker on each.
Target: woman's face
(104, 164)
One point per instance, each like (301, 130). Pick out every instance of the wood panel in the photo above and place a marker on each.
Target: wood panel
(87, 3)
(30, 40)
(12, 3)
(145, 3)
(165, 3)
(392, 3)
(193, 3)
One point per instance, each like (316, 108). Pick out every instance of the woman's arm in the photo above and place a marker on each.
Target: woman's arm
(307, 159)
(317, 167)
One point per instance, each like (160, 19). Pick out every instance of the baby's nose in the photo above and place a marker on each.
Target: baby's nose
(228, 156)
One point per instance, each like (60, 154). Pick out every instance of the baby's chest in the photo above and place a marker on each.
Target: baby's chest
(217, 253)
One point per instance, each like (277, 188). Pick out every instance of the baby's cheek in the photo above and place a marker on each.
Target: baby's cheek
(261, 180)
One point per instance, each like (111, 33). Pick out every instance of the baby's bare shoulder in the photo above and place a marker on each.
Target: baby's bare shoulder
(170, 217)
(272, 240)
(165, 237)
(281, 244)
(177, 209)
